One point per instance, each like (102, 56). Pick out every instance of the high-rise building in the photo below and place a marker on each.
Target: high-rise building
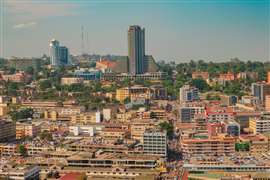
(260, 90)
(58, 54)
(188, 93)
(54, 52)
(7, 130)
(63, 55)
(155, 143)
(136, 49)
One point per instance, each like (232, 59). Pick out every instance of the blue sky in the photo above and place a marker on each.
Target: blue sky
(177, 30)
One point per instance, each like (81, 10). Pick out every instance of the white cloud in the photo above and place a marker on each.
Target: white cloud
(31, 10)
(24, 25)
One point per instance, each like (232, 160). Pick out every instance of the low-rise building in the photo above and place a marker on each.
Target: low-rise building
(71, 80)
(260, 124)
(20, 172)
(258, 143)
(27, 129)
(218, 145)
(134, 92)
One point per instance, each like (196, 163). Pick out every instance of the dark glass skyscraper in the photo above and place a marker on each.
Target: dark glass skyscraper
(63, 55)
(136, 49)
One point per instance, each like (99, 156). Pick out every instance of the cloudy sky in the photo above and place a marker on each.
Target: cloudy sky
(177, 30)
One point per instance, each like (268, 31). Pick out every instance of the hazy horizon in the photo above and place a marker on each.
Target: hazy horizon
(180, 30)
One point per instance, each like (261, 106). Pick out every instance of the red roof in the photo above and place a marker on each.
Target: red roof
(71, 176)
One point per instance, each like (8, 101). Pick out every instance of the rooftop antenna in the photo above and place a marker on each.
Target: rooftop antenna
(87, 42)
(82, 45)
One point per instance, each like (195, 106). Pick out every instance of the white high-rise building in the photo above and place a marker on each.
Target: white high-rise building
(106, 114)
(188, 93)
(59, 55)
(155, 142)
(54, 53)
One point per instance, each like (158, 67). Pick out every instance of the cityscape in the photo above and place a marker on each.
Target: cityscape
(133, 115)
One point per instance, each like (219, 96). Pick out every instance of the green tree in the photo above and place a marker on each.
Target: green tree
(45, 84)
(127, 100)
(22, 114)
(242, 146)
(168, 127)
(200, 84)
(22, 150)
(29, 70)
(46, 135)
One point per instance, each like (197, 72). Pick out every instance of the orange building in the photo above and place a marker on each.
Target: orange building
(218, 145)
(105, 65)
(202, 75)
(268, 77)
(227, 77)
(267, 102)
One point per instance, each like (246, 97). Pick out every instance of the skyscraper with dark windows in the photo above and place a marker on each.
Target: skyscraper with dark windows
(63, 55)
(136, 49)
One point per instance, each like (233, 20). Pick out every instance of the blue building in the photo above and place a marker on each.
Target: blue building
(88, 75)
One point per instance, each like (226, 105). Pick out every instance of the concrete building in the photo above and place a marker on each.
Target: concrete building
(86, 118)
(200, 75)
(7, 131)
(4, 109)
(188, 93)
(20, 172)
(219, 114)
(27, 129)
(218, 145)
(107, 114)
(260, 124)
(19, 77)
(267, 102)
(260, 90)
(226, 77)
(82, 130)
(258, 143)
(71, 80)
(187, 114)
(228, 100)
(134, 92)
(155, 143)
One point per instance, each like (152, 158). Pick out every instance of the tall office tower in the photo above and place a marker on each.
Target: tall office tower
(58, 54)
(260, 90)
(63, 55)
(136, 49)
(54, 52)
(155, 142)
(188, 93)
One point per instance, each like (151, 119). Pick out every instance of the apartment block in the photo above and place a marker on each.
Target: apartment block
(155, 143)
(218, 145)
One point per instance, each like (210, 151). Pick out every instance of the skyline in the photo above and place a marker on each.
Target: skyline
(174, 30)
